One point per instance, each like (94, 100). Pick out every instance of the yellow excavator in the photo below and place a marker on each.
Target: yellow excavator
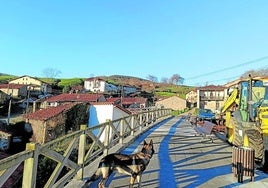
(245, 114)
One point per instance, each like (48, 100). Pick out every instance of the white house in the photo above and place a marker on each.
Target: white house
(98, 85)
(102, 111)
(33, 84)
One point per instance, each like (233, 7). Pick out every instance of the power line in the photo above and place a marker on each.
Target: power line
(228, 68)
(224, 79)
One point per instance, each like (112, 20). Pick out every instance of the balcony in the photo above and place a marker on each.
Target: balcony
(211, 98)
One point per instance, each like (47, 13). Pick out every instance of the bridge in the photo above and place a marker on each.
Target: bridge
(180, 160)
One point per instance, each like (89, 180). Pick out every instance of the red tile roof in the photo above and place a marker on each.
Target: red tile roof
(211, 88)
(113, 99)
(74, 97)
(128, 100)
(95, 78)
(11, 86)
(29, 77)
(48, 113)
(123, 109)
(131, 100)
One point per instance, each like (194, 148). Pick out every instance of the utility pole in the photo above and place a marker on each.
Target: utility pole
(28, 96)
(9, 104)
(122, 93)
(9, 110)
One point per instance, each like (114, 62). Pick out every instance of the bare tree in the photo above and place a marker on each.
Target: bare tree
(51, 72)
(152, 78)
(176, 79)
(254, 73)
(164, 80)
(181, 80)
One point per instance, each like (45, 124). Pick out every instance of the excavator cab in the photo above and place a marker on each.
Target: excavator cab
(254, 95)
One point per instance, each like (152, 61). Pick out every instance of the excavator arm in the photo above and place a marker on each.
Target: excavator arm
(232, 99)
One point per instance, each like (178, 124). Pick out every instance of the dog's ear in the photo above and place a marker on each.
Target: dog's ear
(151, 142)
(144, 142)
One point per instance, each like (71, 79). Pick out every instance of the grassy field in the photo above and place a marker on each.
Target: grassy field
(5, 78)
(172, 90)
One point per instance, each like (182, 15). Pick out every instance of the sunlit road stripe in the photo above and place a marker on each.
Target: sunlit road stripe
(167, 178)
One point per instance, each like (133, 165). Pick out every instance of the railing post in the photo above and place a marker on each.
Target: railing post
(81, 153)
(30, 167)
(140, 121)
(121, 131)
(147, 118)
(152, 116)
(107, 137)
(132, 125)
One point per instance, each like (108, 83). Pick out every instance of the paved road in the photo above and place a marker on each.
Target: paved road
(182, 161)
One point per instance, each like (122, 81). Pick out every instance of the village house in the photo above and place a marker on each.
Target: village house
(73, 97)
(14, 90)
(53, 122)
(98, 85)
(174, 102)
(191, 99)
(77, 89)
(33, 84)
(211, 97)
(100, 112)
(3, 98)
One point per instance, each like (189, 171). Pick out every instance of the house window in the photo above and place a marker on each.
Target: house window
(211, 95)
(217, 105)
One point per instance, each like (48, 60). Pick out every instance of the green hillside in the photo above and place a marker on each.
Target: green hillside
(157, 89)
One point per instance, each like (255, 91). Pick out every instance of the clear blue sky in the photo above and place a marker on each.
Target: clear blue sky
(192, 38)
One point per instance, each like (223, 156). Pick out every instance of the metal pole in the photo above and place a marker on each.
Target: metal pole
(27, 103)
(9, 111)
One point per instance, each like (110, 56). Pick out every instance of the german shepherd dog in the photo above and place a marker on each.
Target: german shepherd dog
(132, 165)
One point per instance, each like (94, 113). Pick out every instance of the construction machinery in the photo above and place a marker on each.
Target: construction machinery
(245, 114)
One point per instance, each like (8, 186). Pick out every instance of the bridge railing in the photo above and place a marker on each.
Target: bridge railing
(73, 151)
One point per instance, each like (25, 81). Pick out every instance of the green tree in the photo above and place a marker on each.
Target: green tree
(66, 89)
